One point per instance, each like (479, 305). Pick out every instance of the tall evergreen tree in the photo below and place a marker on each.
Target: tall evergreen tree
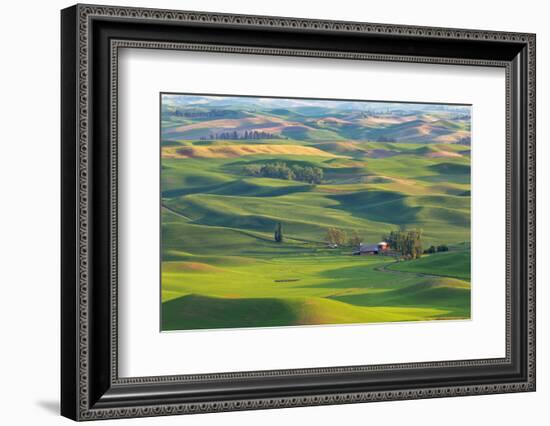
(278, 235)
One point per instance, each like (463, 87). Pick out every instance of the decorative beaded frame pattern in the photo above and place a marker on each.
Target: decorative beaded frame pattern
(85, 14)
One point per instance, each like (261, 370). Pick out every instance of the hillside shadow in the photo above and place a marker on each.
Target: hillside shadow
(242, 188)
(239, 188)
(202, 312)
(379, 206)
(429, 293)
(359, 276)
(451, 168)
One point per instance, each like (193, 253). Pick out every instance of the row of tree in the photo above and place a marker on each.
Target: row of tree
(438, 249)
(246, 135)
(406, 242)
(280, 170)
(209, 114)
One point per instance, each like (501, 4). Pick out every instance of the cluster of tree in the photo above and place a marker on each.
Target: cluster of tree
(246, 135)
(280, 170)
(434, 249)
(278, 233)
(336, 236)
(408, 242)
(339, 237)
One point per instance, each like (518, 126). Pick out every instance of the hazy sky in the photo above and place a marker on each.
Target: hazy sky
(269, 102)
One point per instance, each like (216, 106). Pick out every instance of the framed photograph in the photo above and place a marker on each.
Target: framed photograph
(263, 212)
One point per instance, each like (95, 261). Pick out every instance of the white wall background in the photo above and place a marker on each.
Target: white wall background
(29, 213)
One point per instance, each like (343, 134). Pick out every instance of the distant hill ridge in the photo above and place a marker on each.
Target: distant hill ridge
(314, 123)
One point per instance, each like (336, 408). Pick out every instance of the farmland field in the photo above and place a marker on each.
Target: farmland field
(234, 170)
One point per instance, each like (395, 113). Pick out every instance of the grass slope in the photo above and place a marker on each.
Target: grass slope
(200, 312)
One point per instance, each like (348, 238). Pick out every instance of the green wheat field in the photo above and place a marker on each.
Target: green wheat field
(266, 203)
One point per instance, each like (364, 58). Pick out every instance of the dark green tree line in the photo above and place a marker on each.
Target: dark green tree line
(280, 170)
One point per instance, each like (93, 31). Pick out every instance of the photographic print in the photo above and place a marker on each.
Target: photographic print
(293, 212)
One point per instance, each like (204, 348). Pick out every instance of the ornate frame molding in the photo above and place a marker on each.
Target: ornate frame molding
(86, 408)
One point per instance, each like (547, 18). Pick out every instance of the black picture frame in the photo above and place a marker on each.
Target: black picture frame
(90, 38)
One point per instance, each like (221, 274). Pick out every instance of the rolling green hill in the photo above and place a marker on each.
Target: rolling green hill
(381, 171)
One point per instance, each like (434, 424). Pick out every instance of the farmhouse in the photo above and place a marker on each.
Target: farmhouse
(372, 249)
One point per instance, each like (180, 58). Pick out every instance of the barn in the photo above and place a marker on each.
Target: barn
(372, 249)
